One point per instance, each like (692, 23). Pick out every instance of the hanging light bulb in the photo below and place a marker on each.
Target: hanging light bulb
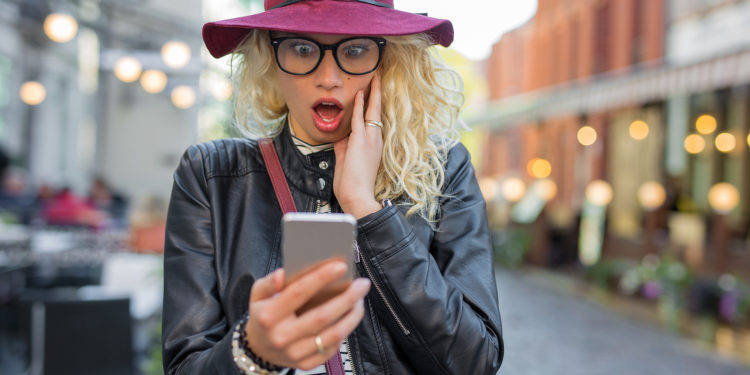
(725, 142)
(638, 130)
(33, 93)
(705, 124)
(723, 197)
(586, 135)
(153, 81)
(183, 97)
(599, 193)
(513, 189)
(651, 195)
(694, 144)
(128, 69)
(175, 54)
(222, 90)
(60, 27)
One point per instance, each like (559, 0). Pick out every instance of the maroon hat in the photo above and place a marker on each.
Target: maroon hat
(350, 17)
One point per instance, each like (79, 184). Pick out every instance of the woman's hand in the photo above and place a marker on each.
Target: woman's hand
(276, 334)
(358, 157)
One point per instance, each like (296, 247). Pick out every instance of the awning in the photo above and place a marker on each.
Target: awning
(618, 89)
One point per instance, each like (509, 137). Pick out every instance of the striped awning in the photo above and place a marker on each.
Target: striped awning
(613, 90)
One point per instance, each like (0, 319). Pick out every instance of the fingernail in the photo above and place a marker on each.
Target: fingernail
(337, 267)
(362, 284)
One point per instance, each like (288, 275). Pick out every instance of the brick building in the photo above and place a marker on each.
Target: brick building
(609, 63)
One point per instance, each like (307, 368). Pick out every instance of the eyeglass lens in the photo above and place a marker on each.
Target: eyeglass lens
(354, 56)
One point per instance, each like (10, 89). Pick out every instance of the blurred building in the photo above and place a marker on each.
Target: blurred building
(88, 122)
(642, 74)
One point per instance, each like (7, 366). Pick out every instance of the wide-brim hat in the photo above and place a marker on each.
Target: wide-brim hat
(344, 17)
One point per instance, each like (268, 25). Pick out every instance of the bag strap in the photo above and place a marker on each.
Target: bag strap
(280, 186)
(334, 366)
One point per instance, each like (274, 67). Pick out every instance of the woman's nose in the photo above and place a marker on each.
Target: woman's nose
(328, 75)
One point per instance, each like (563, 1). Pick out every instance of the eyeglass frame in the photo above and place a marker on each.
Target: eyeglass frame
(275, 42)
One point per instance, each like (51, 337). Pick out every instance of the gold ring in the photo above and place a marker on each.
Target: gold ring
(374, 123)
(319, 345)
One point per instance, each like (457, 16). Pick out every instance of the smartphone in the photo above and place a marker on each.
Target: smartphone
(310, 240)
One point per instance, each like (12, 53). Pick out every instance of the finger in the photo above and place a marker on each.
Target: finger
(267, 286)
(296, 294)
(373, 103)
(331, 337)
(358, 121)
(317, 319)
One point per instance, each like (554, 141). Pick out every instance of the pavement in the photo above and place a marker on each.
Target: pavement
(550, 331)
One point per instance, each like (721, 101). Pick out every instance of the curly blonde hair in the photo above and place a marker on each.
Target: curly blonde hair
(421, 99)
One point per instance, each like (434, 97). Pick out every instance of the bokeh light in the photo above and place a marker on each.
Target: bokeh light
(33, 93)
(175, 54)
(546, 187)
(183, 97)
(128, 69)
(586, 135)
(694, 144)
(489, 187)
(725, 142)
(599, 193)
(539, 168)
(513, 189)
(60, 28)
(723, 197)
(705, 124)
(153, 81)
(638, 130)
(651, 195)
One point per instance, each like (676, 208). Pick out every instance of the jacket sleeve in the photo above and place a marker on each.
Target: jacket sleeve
(438, 300)
(196, 338)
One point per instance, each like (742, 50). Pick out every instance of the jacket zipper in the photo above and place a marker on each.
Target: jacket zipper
(349, 354)
(379, 289)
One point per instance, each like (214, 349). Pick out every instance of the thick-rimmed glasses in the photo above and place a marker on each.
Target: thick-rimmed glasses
(300, 56)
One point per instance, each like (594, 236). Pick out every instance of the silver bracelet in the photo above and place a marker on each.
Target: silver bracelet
(246, 364)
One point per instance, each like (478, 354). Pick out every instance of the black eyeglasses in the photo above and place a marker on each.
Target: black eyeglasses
(300, 56)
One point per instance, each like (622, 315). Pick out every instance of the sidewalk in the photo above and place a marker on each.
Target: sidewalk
(552, 326)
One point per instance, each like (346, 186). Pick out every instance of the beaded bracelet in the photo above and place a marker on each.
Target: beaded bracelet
(244, 358)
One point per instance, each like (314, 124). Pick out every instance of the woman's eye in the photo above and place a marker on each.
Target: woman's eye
(354, 51)
(303, 48)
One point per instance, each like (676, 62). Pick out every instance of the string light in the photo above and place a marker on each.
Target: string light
(694, 144)
(128, 69)
(513, 189)
(60, 27)
(599, 193)
(586, 136)
(33, 93)
(723, 197)
(651, 195)
(153, 81)
(539, 168)
(638, 130)
(183, 97)
(175, 54)
(725, 142)
(705, 124)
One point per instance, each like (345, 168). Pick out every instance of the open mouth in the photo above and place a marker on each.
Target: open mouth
(327, 114)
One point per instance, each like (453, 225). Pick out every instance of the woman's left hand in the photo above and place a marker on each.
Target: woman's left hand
(358, 157)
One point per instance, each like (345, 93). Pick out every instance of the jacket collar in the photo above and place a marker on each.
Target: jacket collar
(311, 174)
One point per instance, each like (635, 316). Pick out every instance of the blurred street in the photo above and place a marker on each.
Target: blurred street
(547, 330)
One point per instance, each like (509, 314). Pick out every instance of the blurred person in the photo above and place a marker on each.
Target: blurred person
(68, 209)
(147, 224)
(105, 199)
(373, 121)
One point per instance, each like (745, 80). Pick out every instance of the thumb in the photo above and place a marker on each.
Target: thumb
(267, 286)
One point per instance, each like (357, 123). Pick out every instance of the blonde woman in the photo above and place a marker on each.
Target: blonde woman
(365, 121)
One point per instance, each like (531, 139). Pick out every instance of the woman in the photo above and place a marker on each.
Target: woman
(371, 122)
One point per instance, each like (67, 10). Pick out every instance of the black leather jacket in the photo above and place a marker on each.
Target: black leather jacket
(433, 307)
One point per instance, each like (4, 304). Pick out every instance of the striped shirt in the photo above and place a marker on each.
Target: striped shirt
(307, 149)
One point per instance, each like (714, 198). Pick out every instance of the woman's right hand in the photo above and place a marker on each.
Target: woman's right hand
(277, 335)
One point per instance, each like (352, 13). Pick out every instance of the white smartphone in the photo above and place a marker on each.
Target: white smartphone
(310, 240)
